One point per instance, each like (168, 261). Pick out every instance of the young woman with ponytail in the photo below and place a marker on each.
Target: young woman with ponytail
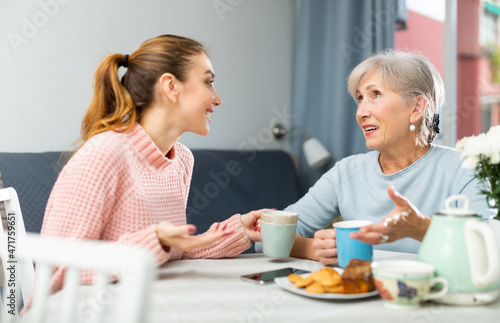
(129, 179)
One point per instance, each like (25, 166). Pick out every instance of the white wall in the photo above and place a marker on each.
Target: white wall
(49, 50)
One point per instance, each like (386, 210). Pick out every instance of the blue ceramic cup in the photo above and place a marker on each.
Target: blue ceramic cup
(348, 248)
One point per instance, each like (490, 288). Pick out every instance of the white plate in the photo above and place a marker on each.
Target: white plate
(284, 283)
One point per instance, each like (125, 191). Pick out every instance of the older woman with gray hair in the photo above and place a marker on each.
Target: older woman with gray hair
(398, 96)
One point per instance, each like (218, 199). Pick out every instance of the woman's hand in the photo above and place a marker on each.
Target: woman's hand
(325, 246)
(404, 221)
(181, 237)
(251, 224)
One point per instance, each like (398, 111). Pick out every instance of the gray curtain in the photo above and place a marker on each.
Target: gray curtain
(333, 36)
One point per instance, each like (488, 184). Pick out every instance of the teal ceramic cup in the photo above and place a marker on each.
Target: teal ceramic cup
(348, 248)
(277, 229)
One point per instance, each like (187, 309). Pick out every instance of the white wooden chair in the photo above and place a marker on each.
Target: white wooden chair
(122, 277)
(17, 274)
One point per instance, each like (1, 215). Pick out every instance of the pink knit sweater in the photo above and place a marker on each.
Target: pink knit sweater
(119, 186)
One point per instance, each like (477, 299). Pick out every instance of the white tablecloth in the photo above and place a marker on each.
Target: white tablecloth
(210, 290)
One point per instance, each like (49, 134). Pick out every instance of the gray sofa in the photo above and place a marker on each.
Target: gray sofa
(224, 182)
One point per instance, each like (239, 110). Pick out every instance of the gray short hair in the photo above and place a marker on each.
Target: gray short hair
(410, 75)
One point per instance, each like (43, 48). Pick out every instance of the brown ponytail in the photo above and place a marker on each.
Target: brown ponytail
(118, 105)
(112, 107)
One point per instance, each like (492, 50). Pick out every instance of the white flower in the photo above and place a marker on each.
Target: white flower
(470, 162)
(483, 146)
(495, 158)
(494, 131)
(476, 146)
(493, 138)
(461, 143)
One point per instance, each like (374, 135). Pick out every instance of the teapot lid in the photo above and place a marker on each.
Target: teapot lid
(456, 211)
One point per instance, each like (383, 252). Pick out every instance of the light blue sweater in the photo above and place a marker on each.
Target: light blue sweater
(356, 188)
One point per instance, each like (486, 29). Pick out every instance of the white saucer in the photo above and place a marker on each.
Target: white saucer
(284, 283)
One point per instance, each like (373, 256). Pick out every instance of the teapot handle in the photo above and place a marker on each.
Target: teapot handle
(479, 237)
(454, 198)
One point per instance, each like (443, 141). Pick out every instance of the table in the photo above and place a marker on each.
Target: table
(210, 290)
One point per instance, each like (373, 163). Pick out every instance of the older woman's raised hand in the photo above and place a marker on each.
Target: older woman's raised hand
(404, 221)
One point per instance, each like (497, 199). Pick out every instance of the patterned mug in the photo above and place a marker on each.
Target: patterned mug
(406, 283)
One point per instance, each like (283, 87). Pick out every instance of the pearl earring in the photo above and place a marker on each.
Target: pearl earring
(412, 127)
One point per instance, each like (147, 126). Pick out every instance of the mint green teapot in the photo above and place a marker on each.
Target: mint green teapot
(464, 251)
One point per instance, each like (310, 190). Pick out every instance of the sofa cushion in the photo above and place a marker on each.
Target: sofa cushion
(32, 175)
(226, 182)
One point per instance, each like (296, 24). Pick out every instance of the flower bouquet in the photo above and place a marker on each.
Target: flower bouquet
(482, 153)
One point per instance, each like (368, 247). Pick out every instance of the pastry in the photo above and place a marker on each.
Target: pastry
(357, 277)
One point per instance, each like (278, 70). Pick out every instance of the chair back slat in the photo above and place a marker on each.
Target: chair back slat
(17, 274)
(42, 292)
(101, 283)
(71, 284)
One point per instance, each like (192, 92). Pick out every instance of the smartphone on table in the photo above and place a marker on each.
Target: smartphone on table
(266, 277)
